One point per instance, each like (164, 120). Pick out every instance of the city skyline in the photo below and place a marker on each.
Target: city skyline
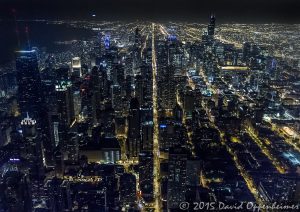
(148, 115)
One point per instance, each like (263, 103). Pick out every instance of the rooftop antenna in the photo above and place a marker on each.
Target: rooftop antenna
(27, 36)
(14, 12)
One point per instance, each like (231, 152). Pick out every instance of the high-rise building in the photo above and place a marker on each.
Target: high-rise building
(96, 93)
(134, 122)
(147, 135)
(65, 104)
(116, 98)
(146, 175)
(136, 57)
(193, 169)
(246, 52)
(127, 189)
(176, 177)
(29, 83)
(118, 75)
(137, 38)
(76, 67)
(77, 103)
(32, 146)
(166, 88)
(139, 94)
(57, 193)
(211, 26)
(146, 73)
(15, 188)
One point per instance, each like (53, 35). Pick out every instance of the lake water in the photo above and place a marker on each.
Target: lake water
(41, 35)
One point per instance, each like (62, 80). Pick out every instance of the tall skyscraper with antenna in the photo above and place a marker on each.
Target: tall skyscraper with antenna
(29, 82)
(211, 26)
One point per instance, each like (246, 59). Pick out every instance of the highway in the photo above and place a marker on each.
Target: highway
(156, 161)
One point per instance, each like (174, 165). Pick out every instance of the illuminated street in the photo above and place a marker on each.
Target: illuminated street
(156, 167)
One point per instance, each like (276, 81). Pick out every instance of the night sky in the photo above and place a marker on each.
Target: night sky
(242, 11)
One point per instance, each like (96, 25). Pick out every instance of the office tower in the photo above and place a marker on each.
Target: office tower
(15, 188)
(193, 169)
(127, 189)
(65, 104)
(175, 54)
(96, 93)
(5, 130)
(246, 52)
(133, 138)
(76, 67)
(107, 121)
(57, 193)
(137, 38)
(205, 38)
(146, 175)
(166, 88)
(104, 84)
(116, 98)
(55, 130)
(176, 177)
(146, 73)
(29, 83)
(7, 82)
(178, 113)
(138, 90)
(162, 61)
(128, 87)
(211, 26)
(147, 135)
(71, 152)
(172, 134)
(118, 75)
(271, 67)
(77, 103)
(136, 57)
(219, 52)
(64, 114)
(110, 59)
(188, 103)
(32, 146)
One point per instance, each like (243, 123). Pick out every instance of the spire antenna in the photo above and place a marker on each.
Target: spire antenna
(27, 36)
(14, 12)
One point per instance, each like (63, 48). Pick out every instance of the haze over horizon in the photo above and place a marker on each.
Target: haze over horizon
(255, 11)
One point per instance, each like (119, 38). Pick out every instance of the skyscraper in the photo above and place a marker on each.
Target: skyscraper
(166, 88)
(32, 150)
(146, 175)
(65, 107)
(29, 83)
(147, 135)
(127, 189)
(15, 189)
(211, 26)
(177, 177)
(76, 67)
(134, 139)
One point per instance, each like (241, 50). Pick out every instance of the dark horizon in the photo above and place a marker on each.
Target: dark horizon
(228, 11)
